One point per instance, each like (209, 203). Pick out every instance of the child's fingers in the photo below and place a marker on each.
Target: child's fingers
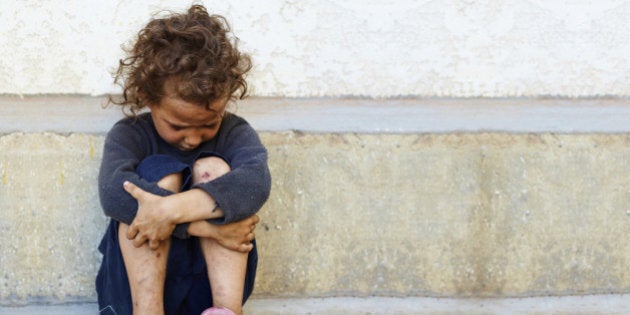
(132, 189)
(252, 221)
(132, 231)
(154, 244)
(246, 248)
(139, 240)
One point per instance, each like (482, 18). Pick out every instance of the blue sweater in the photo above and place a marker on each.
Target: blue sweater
(239, 193)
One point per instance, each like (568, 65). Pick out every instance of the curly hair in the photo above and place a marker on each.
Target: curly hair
(190, 52)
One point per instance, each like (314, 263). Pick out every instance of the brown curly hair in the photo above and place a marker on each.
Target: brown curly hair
(190, 52)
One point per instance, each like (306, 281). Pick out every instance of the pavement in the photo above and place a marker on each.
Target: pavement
(588, 304)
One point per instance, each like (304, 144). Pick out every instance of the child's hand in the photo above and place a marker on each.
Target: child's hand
(235, 236)
(239, 235)
(151, 222)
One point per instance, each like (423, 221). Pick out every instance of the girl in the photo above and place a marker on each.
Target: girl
(182, 182)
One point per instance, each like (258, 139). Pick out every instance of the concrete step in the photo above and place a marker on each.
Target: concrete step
(589, 304)
(462, 215)
(405, 211)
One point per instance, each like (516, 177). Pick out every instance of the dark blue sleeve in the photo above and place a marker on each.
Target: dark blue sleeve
(126, 145)
(241, 192)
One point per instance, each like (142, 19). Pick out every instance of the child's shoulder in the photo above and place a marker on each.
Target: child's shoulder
(234, 123)
(231, 119)
(141, 122)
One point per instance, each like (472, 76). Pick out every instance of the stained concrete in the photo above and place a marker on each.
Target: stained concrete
(447, 215)
(51, 218)
(612, 304)
(454, 215)
(83, 114)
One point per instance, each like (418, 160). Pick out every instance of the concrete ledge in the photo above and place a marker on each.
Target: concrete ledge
(442, 215)
(83, 114)
(591, 304)
(369, 198)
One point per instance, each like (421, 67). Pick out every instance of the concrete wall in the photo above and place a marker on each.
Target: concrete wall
(359, 214)
(386, 181)
(374, 48)
(447, 215)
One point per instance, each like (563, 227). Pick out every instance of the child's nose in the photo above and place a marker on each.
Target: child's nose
(193, 139)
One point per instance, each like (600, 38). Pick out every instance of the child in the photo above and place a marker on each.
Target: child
(182, 183)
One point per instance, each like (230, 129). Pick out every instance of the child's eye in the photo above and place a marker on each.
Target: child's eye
(177, 128)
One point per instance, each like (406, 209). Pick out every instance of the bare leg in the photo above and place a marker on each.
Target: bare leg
(146, 268)
(226, 271)
(226, 268)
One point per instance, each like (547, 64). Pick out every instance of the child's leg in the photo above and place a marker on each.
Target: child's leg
(226, 272)
(146, 268)
(226, 268)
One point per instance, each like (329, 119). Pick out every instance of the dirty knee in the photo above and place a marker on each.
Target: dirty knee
(209, 168)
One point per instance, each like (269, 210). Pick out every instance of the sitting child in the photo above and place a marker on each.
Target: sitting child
(182, 182)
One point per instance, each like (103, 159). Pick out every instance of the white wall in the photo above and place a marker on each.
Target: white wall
(387, 48)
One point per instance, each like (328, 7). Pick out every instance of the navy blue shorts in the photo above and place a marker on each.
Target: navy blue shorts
(186, 289)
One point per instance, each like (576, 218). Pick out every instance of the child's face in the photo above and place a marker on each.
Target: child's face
(186, 125)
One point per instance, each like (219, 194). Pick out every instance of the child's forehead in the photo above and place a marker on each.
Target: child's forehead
(176, 110)
(218, 105)
(173, 89)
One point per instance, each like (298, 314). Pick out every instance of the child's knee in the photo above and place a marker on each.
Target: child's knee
(166, 171)
(172, 182)
(209, 168)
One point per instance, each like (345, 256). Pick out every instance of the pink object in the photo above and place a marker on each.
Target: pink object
(218, 311)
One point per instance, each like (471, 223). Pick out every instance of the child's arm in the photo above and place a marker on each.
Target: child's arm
(124, 148)
(157, 215)
(237, 195)
(236, 236)
(243, 191)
